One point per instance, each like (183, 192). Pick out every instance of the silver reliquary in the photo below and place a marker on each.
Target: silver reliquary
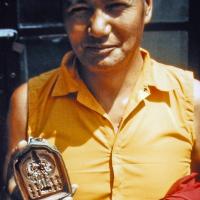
(40, 172)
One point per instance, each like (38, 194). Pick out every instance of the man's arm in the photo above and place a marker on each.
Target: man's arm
(17, 132)
(17, 119)
(196, 152)
(17, 116)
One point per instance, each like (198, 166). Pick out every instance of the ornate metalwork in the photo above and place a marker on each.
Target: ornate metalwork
(40, 172)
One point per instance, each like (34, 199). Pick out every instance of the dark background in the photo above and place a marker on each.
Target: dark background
(172, 37)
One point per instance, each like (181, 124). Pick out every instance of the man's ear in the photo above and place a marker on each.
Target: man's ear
(148, 7)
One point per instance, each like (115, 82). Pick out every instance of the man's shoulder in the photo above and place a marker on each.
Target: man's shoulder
(19, 96)
(173, 69)
(43, 77)
(174, 76)
(196, 152)
(50, 76)
(197, 93)
(42, 80)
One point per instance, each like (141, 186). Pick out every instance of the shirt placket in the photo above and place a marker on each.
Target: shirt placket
(116, 157)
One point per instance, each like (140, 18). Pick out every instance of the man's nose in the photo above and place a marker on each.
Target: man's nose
(99, 24)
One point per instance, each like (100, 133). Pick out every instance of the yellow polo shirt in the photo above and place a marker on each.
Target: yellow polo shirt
(149, 152)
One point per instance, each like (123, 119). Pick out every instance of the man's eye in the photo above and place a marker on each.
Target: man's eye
(77, 9)
(116, 6)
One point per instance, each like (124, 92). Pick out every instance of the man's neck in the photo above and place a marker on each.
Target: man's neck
(109, 85)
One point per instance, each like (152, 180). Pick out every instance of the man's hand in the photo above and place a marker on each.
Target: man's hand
(74, 188)
(12, 188)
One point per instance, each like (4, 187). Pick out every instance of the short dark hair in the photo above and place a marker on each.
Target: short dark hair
(65, 3)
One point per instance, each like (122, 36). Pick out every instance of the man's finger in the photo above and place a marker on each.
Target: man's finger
(21, 145)
(74, 188)
(68, 198)
(11, 185)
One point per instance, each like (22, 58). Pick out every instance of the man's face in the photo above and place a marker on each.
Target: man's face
(103, 33)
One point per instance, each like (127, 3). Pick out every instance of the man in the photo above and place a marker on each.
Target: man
(126, 125)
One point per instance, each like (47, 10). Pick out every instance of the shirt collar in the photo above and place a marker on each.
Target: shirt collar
(156, 74)
(68, 80)
(67, 76)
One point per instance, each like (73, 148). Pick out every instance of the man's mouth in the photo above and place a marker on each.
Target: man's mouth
(98, 48)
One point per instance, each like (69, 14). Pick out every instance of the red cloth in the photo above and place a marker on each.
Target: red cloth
(186, 188)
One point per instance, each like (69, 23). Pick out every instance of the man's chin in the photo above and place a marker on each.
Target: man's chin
(102, 62)
(101, 66)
